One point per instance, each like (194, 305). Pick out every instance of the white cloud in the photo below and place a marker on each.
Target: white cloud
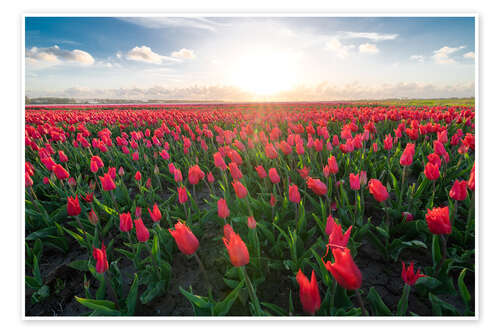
(320, 92)
(172, 22)
(145, 54)
(374, 36)
(470, 55)
(184, 54)
(49, 56)
(417, 58)
(442, 56)
(368, 48)
(340, 50)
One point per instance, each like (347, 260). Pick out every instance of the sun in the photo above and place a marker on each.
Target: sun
(264, 72)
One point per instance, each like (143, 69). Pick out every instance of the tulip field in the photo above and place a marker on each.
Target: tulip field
(256, 209)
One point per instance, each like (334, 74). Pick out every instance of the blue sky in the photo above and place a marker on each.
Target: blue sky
(250, 58)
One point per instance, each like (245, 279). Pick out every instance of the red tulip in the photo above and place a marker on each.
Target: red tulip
(439, 148)
(344, 270)
(219, 161)
(337, 238)
(294, 194)
(261, 171)
(107, 182)
(93, 217)
(89, 197)
(101, 259)
(388, 142)
(210, 177)
(237, 250)
(73, 206)
(317, 186)
(155, 214)
(182, 193)
(235, 171)
(60, 172)
(459, 190)
(138, 176)
(434, 158)
(98, 162)
(438, 220)
(329, 225)
(239, 189)
(272, 201)
(177, 175)
(72, 181)
(228, 230)
(222, 209)
(409, 276)
(185, 239)
(195, 175)
(407, 156)
(431, 171)
(354, 181)
(62, 157)
(309, 292)
(471, 183)
(270, 151)
(141, 231)
(407, 216)
(252, 224)
(274, 176)
(125, 222)
(304, 172)
(378, 190)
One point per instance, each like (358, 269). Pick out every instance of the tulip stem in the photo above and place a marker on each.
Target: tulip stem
(361, 304)
(444, 252)
(469, 217)
(204, 272)
(113, 292)
(402, 186)
(251, 290)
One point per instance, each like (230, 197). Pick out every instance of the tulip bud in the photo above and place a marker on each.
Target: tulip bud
(252, 224)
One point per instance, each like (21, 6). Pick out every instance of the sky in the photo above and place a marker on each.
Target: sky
(249, 58)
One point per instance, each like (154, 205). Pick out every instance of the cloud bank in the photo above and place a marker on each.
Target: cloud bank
(325, 91)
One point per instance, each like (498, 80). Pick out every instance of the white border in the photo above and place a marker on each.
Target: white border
(249, 14)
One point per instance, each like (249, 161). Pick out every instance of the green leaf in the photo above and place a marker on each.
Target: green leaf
(43, 233)
(464, 292)
(428, 282)
(32, 283)
(403, 301)
(81, 265)
(378, 305)
(276, 309)
(436, 250)
(105, 307)
(37, 248)
(152, 291)
(222, 308)
(132, 296)
(36, 271)
(195, 300)
(40, 294)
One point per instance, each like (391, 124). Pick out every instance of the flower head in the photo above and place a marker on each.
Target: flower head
(309, 292)
(185, 239)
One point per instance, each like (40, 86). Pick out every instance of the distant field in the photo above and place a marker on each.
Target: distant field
(429, 102)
